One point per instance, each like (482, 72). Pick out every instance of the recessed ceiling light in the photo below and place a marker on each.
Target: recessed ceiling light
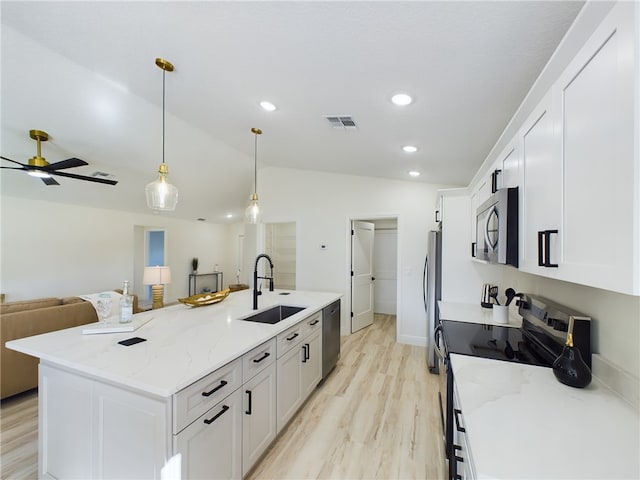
(414, 173)
(229, 215)
(268, 106)
(401, 99)
(410, 149)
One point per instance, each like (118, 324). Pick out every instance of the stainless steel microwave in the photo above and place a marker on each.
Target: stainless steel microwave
(497, 228)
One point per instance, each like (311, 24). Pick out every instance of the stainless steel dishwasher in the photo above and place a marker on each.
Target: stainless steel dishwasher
(330, 337)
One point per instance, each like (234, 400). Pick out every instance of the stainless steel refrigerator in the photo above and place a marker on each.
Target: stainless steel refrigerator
(431, 291)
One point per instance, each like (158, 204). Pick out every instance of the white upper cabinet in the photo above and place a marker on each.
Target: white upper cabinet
(595, 96)
(540, 210)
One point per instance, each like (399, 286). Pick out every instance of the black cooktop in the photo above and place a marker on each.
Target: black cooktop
(491, 341)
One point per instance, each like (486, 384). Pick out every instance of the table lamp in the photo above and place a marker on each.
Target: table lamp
(157, 277)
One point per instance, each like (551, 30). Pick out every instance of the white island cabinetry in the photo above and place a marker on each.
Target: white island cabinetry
(197, 399)
(299, 366)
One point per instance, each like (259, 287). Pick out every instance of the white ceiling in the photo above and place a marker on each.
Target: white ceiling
(85, 73)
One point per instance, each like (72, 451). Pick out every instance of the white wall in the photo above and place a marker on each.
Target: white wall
(615, 325)
(54, 249)
(323, 204)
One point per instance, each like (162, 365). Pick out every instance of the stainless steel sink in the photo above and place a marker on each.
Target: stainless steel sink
(274, 315)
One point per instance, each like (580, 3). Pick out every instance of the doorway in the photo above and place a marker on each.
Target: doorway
(383, 272)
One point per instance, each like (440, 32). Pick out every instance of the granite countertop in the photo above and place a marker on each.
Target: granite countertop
(474, 313)
(183, 343)
(522, 423)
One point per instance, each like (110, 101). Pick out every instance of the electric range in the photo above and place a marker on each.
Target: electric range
(539, 342)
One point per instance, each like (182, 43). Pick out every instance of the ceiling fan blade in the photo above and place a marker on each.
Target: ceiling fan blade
(83, 177)
(9, 160)
(68, 163)
(14, 168)
(49, 181)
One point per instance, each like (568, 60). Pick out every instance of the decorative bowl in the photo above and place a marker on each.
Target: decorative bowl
(207, 298)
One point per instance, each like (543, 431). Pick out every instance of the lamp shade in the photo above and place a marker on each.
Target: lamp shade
(158, 275)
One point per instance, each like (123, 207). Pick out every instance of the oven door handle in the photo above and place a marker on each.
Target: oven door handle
(437, 336)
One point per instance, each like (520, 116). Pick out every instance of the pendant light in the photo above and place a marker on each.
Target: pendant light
(161, 195)
(252, 214)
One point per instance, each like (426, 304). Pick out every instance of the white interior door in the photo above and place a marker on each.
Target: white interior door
(361, 275)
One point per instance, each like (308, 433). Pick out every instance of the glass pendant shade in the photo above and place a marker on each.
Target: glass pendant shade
(161, 195)
(252, 213)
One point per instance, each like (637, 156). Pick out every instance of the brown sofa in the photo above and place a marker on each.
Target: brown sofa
(19, 372)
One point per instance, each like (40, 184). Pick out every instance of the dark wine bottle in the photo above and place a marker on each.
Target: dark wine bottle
(569, 368)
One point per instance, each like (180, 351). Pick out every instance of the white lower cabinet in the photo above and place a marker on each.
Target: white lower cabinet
(311, 366)
(259, 415)
(211, 447)
(299, 368)
(289, 386)
(89, 429)
(463, 469)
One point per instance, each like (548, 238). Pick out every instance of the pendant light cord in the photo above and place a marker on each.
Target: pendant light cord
(163, 77)
(255, 164)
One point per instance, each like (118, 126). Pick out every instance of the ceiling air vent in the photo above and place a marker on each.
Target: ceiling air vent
(341, 122)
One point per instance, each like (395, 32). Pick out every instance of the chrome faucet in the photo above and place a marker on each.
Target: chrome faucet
(257, 292)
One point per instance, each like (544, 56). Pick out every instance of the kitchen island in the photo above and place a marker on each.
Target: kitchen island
(108, 410)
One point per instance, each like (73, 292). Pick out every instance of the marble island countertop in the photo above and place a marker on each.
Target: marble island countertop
(522, 423)
(183, 343)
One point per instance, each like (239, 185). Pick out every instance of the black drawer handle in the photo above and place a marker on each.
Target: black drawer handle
(473, 249)
(211, 392)
(248, 411)
(455, 450)
(258, 360)
(457, 412)
(292, 337)
(216, 416)
(315, 322)
(305, 355)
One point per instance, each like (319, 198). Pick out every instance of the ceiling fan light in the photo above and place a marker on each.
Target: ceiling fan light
(38, 174)
(161, 195)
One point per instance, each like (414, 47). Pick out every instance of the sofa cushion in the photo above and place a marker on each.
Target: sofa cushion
(24, 305)
(19, 372)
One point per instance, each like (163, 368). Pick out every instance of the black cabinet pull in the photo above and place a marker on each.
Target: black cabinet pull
(455, 449)
(457, 412)
(494, 180)
(474, 249)
(541, 236)
(544, 248)
(304, 353)
(315, 322)
(308, 350)
(258, 360)
(437, 216)
(211, 392)
(248, 411)
(547, 248)
(292, 337)
(216, 416)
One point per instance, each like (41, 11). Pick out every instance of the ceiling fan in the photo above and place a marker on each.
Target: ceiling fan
(39, 167)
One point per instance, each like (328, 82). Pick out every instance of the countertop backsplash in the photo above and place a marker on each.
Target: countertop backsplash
(617, 379)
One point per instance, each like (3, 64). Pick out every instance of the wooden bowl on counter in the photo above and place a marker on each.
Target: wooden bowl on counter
(206, 298)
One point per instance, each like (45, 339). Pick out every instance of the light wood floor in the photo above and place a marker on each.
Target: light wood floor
(376, 416)
(19, 436)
